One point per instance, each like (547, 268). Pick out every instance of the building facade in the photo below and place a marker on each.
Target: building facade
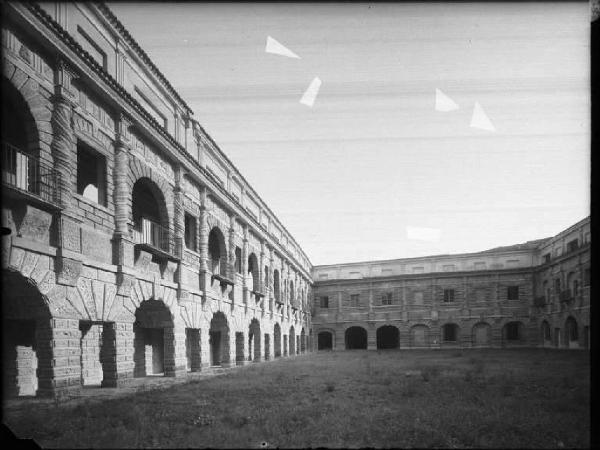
(136, 247)
(533, 294)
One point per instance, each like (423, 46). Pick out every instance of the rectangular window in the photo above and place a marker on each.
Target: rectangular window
(546, 257)
(354, 300)
(572, 245)
(418, 298)
(91, 174)
(513, 293)
(190, 231)
(448, 295)
(386, 299)
(238, 260)
(324, 302)
(512, 331)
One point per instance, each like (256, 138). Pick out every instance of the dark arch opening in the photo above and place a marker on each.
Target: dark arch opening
(388, 337)
(546, 334)
(571, 331)
(276, 286)
(292, 341)
(254, 341)
(512, 332)
(27, 352)
(450, 332)
(219, 340)
(154, 340)
(356, 338)
(325, 340)
(217, 252)
(302, 341)
(253, 271)
(277, 340)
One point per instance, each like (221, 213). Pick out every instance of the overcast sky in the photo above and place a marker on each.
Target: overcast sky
(373, 156)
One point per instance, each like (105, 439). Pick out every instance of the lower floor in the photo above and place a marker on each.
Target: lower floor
(567, 330)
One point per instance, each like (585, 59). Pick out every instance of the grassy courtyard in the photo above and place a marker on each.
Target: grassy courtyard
(469, 398)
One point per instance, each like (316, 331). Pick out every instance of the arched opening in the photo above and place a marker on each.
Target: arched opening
(254, 341)
(267, 353)
(297, 345)
(217, 252)
(572, 332)
(154, 341)
(27, 354)
(546, 334)
(450, 333)
(388, 337)
(253, 278)
(356, 338)
(193, 349)
(219, 340)
(277, 340)
(276, 286)
(239, 348)
(149, 214)
(572, 285)
(292, 341)
(512, 333)
(482, 334)
(325, 340)
(302, 341)
(419, 336)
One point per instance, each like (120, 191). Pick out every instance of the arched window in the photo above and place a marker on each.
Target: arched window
(276, 286)
(253, 271)
(217, 252)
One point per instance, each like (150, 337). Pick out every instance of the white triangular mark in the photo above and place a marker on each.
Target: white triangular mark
(480, 119)
(310, 95)
(279, 49)
(443, 102)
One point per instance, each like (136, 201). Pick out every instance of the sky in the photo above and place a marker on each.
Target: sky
(373, 156)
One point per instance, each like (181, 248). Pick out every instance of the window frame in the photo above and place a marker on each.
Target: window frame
(512, 292)
(449, 295)
(101, 162)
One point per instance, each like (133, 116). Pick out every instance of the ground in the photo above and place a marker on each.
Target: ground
(438, 398)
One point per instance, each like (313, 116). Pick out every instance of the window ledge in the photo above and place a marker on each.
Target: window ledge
(92, 203)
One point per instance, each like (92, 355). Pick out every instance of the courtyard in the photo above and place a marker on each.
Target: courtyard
(508, 398)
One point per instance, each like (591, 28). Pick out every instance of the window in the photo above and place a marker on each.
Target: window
(418, 298)
(190, 231)
(354, 300)
(450, 332)
(572, 245)
(238, 260)
(546, 257)
(513, 292)
(91, 174)
(557, 285)
(386, 299)
(586, 277)
(448, 295)
(324, 302)
(512, 331)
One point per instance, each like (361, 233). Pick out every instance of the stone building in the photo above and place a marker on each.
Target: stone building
(531, 294)
(136, 246)
(138, 249)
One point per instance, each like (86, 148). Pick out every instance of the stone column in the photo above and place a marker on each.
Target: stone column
(231, 264)
(175, 355)
(178, 214)
(245, 251)
(119, 364)
(203, 233)
(63, 141)
(205, 347)
(261, 270)
(66, 365)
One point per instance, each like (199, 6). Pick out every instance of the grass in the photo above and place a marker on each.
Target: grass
(480, 398)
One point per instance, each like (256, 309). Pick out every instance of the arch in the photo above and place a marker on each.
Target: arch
(325, 340)
(481, 335)
(571, 332)
(277, 340)
(450, 333)
(388, 337)
(302, 341)
(276, 286)
(217, 251)
(254, 347)
(355, 338)
(149, 214)
(154, 340)
(546, 334)
(419, 336)
(573, 284)
(253, 271)
(512, 333)
(292, 341)
(26, 328)
(219, 339)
